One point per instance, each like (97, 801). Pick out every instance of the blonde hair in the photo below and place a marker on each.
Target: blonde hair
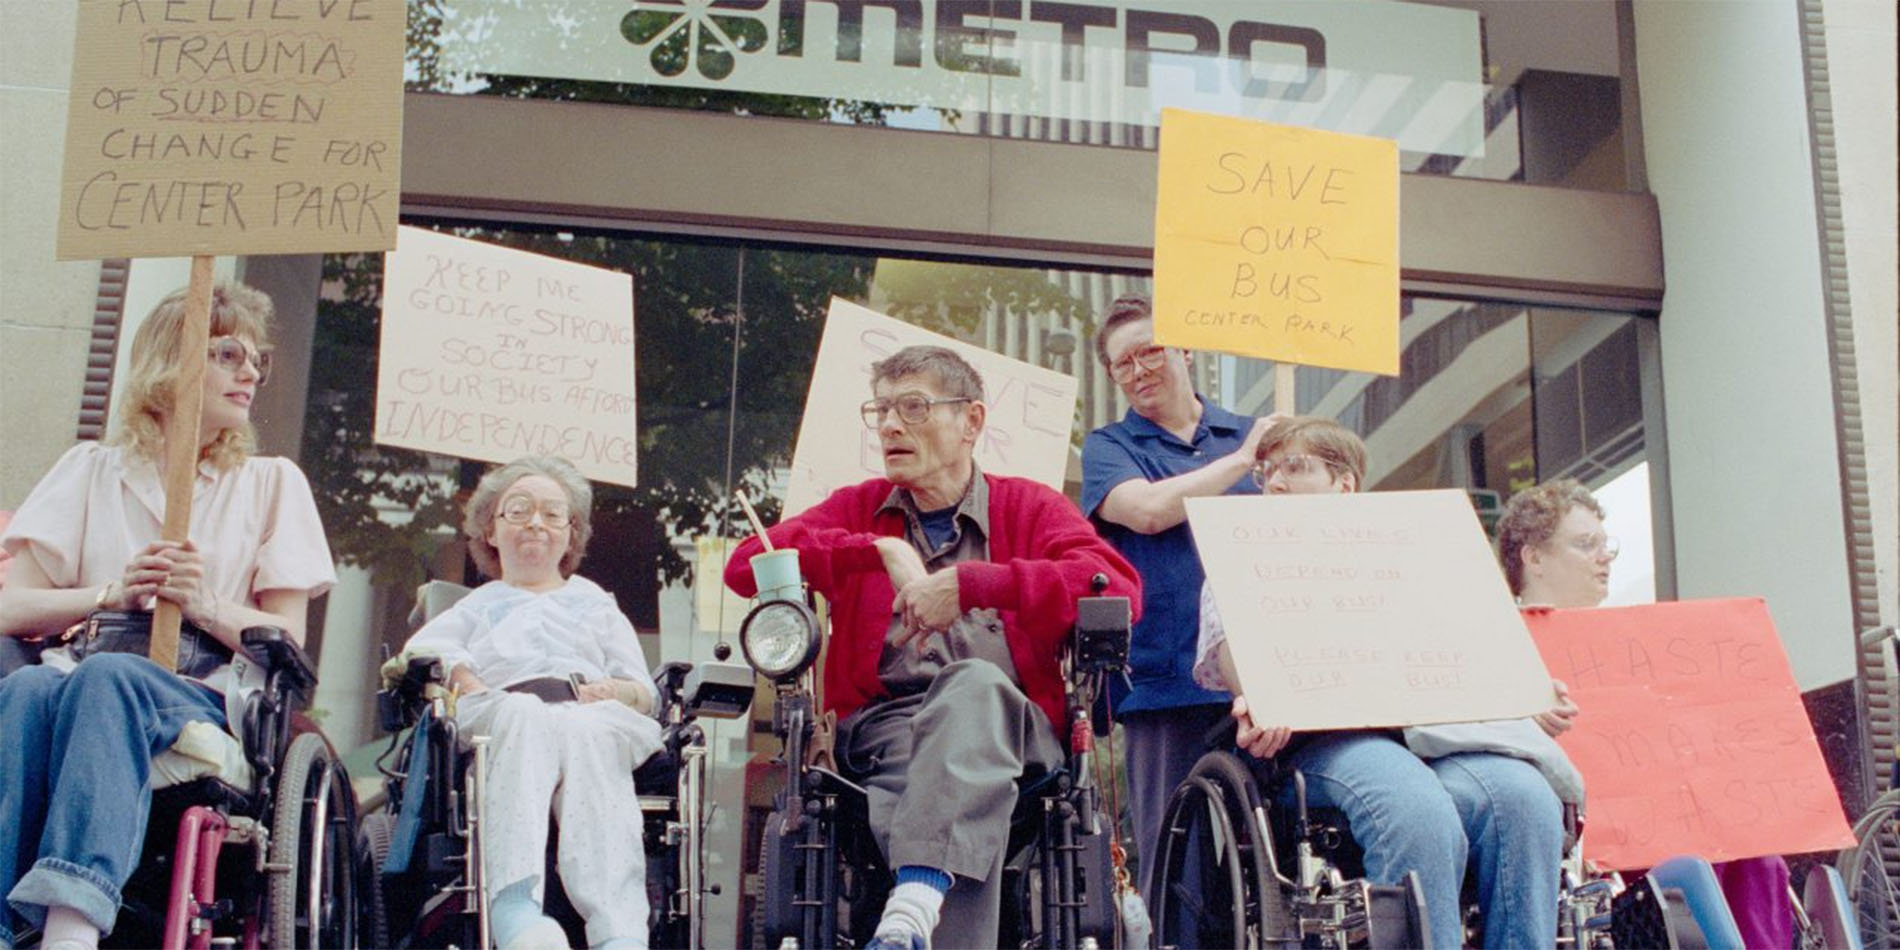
(1337, 445)
(480, 513)
(146, 400)
(1531, 517)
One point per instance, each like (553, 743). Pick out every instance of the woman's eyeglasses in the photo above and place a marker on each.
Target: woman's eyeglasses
(1150, 357)
(521, 510)
(1292, 466)
(1596, 545)
(230, 354)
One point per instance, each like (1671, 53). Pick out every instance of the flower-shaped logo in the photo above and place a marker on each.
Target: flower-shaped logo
(701, 33)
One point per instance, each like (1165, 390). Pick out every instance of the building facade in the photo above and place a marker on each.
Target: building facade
(1646, 244)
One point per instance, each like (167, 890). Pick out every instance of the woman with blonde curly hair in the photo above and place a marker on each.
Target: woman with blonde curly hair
(551, 671)
(80, 736)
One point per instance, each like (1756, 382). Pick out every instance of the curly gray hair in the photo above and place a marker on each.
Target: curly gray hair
(480, 513)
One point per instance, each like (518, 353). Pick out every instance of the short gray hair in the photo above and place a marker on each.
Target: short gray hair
(480, 513)
(954, 375)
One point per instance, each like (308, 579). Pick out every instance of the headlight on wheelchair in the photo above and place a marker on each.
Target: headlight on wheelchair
(780, 639)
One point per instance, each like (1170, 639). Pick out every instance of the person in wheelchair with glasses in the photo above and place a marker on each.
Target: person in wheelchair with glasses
(952, 594)
(1411, 807)
(545, 665)
(87, 742)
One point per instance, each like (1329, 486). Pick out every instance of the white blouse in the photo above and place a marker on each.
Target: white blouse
(505, 635)
(100, 505)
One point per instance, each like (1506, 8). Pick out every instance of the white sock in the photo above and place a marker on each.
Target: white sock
(912, 908)
(68, 929)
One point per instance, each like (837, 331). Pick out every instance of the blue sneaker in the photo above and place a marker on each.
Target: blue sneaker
(897, 940)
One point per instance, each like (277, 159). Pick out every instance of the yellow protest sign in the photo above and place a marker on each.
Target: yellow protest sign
(233, 127)
(1277, 242)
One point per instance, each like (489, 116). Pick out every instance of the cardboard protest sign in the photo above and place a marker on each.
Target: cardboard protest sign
(492, 353)
(233, 127)
(1031, 409)
(1277, 242)
(1382, 609)
(1692, 737)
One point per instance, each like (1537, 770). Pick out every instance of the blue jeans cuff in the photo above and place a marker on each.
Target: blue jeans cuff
(57, 883)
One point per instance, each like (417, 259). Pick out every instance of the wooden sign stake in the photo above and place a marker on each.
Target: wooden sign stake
(181, 444)
(1285, 399)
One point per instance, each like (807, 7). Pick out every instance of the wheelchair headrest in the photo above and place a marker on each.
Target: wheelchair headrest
(432, 598)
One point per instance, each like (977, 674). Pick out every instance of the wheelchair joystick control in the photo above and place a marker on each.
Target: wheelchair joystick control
(722, 651)
(1098, 583)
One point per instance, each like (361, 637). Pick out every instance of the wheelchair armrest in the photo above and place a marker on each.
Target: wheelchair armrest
(718, 690)
(280, 656)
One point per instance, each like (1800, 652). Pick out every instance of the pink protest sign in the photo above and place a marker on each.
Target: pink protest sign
(1693, 738)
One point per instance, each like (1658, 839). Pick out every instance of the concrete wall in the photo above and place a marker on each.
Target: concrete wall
(1861, 38)
(45, 307)
(1756, 485)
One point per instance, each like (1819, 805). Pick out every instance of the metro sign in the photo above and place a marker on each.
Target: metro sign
(1374, 67)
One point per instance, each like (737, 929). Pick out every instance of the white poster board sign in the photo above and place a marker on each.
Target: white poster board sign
(1366, 610)
(492, 353)
(1031, 409)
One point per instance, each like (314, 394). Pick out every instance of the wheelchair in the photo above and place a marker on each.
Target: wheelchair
(1237, 870)
(420, 866)
(825, 879)
(248, 842)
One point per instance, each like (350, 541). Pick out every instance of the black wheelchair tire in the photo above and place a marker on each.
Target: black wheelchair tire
(1220, 799)
(312, 891)
(372, 848)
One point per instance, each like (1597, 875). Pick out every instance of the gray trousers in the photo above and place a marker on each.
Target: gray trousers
(1163, 745)
(941, 769)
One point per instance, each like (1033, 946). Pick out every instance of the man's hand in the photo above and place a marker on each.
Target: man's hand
(901, 561)
(1262, 742)
(929, 604)
(1560, 717)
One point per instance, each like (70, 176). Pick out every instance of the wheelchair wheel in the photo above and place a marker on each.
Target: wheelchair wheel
(312, 890)
(1869, 871)
(372, 847)
(1216, 885)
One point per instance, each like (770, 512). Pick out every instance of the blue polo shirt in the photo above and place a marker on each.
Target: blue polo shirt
(1161, 656)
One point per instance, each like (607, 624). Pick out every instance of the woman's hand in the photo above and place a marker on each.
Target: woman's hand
(1560, 717)
(598, 691)
(145, 575)
(1262, 742)
(184, 585)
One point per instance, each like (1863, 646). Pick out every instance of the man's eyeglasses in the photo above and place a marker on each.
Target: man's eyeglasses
(230, 353)
(1596, 545)
(520, 509)
(1292, 466)
(913, 408)
(1148, 357)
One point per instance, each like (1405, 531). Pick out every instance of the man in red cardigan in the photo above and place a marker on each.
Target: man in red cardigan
(952, 593)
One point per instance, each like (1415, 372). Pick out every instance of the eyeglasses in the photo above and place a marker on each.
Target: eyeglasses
(1149, 357)
(1596, 545)
(230, 354)
(1292, 466)
(520, 509)
(911, 407)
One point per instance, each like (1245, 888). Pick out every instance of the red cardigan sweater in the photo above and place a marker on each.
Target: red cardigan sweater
(1042, 556)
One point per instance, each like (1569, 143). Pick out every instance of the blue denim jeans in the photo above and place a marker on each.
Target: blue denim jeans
(1493, 812)
(75, 780)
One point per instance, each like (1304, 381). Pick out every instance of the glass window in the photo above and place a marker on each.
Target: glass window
(1494, 89)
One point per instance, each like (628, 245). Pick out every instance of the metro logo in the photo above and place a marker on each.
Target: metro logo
(708, 33)
(705, 34)
(1409, 72)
